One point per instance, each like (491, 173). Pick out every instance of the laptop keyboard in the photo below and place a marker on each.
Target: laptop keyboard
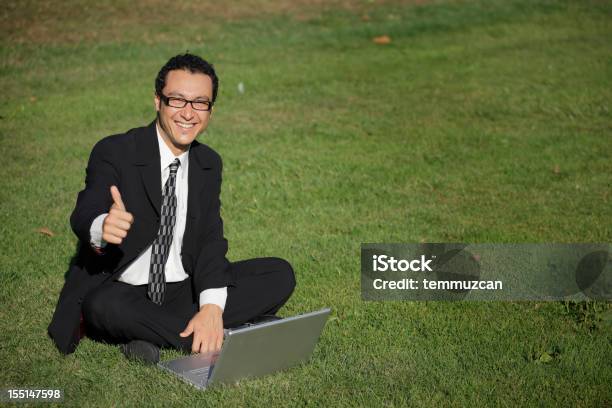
(200, 375)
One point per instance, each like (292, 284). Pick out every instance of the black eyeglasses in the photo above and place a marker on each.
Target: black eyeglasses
(181, 103)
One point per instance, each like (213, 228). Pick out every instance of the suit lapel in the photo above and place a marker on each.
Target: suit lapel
(198, 179)
(148, 162)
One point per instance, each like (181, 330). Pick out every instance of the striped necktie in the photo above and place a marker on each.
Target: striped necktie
(161, 245)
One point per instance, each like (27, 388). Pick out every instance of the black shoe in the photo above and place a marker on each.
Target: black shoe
(141, 350)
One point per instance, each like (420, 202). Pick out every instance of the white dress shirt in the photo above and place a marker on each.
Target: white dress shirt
(137, 273)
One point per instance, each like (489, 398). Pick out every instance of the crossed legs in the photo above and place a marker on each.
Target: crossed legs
(117, 312)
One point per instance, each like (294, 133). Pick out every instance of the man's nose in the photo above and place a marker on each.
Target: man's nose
(187, 112)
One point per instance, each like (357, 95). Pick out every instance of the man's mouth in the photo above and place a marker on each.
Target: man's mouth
(185, 125)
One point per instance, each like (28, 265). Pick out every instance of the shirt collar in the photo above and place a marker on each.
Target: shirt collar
(167, 157)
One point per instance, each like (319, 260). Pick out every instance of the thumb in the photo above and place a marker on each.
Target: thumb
(117, 198)
(188, 330)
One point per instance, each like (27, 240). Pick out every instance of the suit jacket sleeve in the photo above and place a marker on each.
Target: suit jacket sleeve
(95, 198)
(212, 269)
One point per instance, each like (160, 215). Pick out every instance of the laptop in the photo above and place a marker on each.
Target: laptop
(253, 351)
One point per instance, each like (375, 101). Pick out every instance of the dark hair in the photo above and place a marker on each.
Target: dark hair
(188, 62)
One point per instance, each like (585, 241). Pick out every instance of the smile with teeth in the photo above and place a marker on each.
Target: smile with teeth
(185, 125)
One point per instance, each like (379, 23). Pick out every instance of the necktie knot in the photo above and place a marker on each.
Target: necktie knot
(174, 166)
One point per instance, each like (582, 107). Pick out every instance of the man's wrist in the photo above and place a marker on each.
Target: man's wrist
(211, 307)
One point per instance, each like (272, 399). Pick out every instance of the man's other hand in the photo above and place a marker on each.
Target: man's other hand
(118, 221)
(207, 329)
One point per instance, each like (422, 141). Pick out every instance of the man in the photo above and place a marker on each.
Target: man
(151, 269)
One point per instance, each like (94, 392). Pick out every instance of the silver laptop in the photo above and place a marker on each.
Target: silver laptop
(253, 351)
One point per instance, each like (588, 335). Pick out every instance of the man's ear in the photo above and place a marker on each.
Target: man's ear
(157, 102)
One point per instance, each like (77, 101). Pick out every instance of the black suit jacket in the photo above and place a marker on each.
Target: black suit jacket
(131, 161)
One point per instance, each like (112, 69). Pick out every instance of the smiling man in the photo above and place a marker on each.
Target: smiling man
(151, 269)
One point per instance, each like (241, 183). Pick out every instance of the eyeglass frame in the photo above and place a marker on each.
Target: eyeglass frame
(166, 99)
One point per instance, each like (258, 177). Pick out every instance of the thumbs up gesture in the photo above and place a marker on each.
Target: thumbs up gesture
(118, 221)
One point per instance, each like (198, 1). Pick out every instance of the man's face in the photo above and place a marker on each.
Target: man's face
(180, 126)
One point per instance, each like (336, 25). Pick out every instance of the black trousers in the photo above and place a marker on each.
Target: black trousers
(118, 312)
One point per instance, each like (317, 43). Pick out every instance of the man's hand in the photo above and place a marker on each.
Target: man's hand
(207, 329)
(118, 221)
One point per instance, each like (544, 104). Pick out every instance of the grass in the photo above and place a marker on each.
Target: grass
(482, 121)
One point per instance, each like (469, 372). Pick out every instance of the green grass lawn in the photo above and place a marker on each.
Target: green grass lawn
(481, 121)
